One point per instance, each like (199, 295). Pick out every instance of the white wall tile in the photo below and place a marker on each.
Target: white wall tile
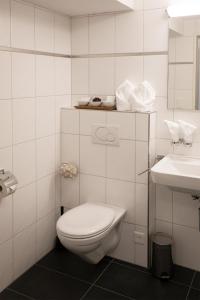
(4, 23)
(155, 30)
(70, 121)
(62, 34)
(184, 77)
(142, 127)
(163, 147)
(129, 67)
(61, 101)
(122, 194)
(155, 71)
(45, 156)
(165, 227)
(101, 34)
(80, 76)
(46, 235)
(184, 48)
(141, 204)
(141, 161)
(23, 260)
(22, 25)
(24, 163)
(126, 247)
(141, 250)
(5, 123)
(5, 75)
(153, 4)
(24, 208)
(101, 72)
(44, 30)
(186, 247)
(70, 192)
(6, 158)
(62, 76)
(70, 148)
(6, 264)
(80, 36)
(23, 120)
(121, 161)
(129, 32)
(23, 75)
(6, 222)
(45, 196)
(89, 118)
(92, 189)
(185, 210)
(92, 157)
(58, 153)
(126, 123)
(45, 75)
(45, 116)
(163, 203)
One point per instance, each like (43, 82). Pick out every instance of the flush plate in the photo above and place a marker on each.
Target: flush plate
(105, 135)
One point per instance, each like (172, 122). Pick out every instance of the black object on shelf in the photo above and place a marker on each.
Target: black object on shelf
(162, 262)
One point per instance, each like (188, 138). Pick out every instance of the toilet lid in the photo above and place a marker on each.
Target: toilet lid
(85, 221)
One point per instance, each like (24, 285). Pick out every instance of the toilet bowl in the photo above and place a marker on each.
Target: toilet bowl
(90, 230)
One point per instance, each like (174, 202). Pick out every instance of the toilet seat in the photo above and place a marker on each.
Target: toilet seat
(85, 221)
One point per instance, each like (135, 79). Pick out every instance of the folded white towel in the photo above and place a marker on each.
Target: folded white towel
(123, 94)
(174, 129)
(143, 98)
(186, 131)
(136, 98)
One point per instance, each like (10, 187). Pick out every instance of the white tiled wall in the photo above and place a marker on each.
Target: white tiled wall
(144, 30)
(109, 174)
(32, 90)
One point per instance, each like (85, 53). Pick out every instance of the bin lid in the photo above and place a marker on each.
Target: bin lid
(162, 239)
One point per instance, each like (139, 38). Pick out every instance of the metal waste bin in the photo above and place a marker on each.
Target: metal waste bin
(162, 263)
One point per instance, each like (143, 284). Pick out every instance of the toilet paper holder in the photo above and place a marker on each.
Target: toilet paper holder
(8, 183)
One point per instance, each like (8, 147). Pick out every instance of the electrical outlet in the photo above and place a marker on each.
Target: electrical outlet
(139, 237)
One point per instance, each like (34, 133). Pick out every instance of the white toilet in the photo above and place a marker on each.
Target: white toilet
(90, 230)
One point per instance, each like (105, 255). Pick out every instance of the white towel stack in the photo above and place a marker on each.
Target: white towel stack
(135, 98)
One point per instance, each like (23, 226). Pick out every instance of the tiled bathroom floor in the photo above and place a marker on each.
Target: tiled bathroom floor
(61, 275)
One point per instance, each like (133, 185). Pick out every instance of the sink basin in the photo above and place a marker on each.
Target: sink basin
(179, 173)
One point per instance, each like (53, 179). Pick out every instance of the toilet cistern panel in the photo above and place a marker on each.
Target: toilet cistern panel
(105, 134)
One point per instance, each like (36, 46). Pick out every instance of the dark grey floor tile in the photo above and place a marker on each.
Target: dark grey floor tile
(100, 294)
(42, 284)
(10, 295)
(68, 263)
(196, 282)
(183, 275)
(194, 295)
(140, 285)
(129, 265)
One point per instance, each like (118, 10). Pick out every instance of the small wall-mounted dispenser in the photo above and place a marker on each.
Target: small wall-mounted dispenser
(68, 170)
(8, 183)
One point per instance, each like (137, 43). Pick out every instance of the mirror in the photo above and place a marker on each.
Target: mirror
(184, 63)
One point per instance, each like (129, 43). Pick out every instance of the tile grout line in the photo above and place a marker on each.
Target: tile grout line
(191, 283)
(114, 292)
(61, 273)
(20, 294)
(93, 284)
(130, 267)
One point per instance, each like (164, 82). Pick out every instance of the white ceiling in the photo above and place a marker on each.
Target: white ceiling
(84, 7)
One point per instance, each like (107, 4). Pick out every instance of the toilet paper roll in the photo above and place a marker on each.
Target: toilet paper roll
(8, 184)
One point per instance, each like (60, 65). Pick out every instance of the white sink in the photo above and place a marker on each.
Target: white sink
(179, 173)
